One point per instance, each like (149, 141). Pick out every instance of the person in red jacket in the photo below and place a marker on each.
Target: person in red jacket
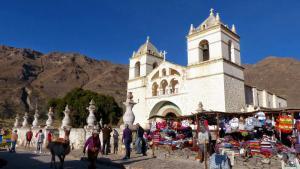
(28, 138)
(49, 137)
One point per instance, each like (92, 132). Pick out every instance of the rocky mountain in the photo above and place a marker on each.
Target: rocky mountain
(278, 75)
(28, 77)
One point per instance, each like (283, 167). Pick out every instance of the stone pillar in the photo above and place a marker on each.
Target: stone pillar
(25, 120)
(91, 119)
(49, 121)
(265, 98)
(254, 95)
(128, 116)
(17, 123)
(36, 116)
(66, 122)
(274, 101)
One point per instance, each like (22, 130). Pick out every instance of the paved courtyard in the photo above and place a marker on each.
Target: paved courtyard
(27, 159)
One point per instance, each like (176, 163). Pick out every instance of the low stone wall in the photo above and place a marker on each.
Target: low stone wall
(77, 136)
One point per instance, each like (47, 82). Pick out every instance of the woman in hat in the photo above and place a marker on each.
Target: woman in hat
(93, 146)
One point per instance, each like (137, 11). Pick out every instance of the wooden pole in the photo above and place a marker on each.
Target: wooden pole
(205, 155)
(218, 126)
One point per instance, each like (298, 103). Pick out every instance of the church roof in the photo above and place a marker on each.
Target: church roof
(212, 20)
(148, 48)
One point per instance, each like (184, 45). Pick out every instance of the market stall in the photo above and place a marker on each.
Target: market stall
(265, 133)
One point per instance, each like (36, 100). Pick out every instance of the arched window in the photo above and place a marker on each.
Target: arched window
(229, 50)
(154, 65)
(163, 86)
(137, 70)
(154, 89)
(174, 86)
(164, 72)
(204, 50)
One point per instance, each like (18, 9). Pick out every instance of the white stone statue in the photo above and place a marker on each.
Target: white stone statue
(200, 107)
(91, 119)
(16, 124)
(66, 122)
(128, 116)
(36, 116)
(25, 121)
(49, 121)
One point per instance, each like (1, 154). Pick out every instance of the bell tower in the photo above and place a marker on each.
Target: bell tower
(214, 64)
(213, 40)
(144, 60)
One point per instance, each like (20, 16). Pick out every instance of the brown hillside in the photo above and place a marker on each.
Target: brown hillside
(27, 77)
(278, 75)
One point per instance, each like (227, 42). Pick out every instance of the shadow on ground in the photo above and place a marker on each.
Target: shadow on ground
(23, 160)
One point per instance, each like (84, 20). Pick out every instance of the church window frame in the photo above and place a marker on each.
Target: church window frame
(154, 65)
(164, 72)
(137, 69)
(204, 53)
(155, 89)
(164, 87)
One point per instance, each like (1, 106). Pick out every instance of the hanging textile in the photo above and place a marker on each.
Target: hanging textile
(285, 124)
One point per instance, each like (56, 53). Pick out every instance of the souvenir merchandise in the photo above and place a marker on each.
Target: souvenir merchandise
(172, 133)
(285, 124)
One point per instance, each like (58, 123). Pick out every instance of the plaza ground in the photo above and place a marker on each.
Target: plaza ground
(27, 159)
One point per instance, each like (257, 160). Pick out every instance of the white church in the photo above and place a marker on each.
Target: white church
(213, 76)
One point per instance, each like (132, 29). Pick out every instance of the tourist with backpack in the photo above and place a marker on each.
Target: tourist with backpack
(40, 140)
(28, 138)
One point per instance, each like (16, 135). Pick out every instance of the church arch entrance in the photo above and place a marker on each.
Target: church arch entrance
(165, 108)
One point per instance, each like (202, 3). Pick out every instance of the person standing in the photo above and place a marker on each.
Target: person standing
(49, 137)
(127, 139)
(40, 139)
(28, 138)
(140, 141)
(93, 146)
(14, 139)
(116, 141)
(106, 139)
(203, 139)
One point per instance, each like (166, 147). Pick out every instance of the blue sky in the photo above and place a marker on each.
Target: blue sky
(112, 29)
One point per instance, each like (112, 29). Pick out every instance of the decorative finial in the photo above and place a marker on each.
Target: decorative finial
(191, 29)
(200, 107)
(233, 28)
(211, 12)
(164, 55)
(218, 17)
(148, 38)
(133, 53)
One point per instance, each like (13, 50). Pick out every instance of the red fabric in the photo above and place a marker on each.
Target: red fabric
(49, 137)
(206, 124)
(29, 135)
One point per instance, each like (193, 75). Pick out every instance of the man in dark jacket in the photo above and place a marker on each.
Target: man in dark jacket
(106, 139)
(140, 141)
(127, 139)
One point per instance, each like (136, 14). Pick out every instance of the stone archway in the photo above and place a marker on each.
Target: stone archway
(164, 108)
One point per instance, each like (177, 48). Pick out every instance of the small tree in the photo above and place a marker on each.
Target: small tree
(78, 99)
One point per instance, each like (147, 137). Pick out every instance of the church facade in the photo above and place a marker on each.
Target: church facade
(213, 76)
